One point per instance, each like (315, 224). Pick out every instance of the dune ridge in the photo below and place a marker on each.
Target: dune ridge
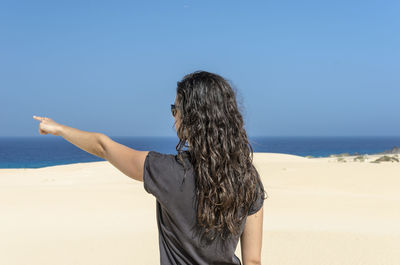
(319, 211)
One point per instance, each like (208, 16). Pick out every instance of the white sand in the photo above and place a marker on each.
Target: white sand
(319, 211)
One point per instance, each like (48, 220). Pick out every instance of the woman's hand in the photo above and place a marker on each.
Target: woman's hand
(90, 142)
(47, 125)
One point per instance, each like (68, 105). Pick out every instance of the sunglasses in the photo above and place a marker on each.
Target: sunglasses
(173, 110)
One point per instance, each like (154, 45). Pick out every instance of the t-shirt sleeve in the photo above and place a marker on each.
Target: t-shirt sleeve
(159, 175)
(259, 199)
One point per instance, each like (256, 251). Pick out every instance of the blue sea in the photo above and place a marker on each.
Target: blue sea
(48, 150)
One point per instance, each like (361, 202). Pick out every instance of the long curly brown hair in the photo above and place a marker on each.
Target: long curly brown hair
(212, 126)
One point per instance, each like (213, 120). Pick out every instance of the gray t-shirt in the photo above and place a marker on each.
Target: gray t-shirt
(176, 213)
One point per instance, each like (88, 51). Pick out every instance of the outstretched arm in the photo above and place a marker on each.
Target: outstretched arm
(127, 160)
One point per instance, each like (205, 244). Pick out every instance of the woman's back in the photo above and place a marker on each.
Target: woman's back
(179, 241)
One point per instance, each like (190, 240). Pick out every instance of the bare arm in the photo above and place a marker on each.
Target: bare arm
(129, 161)
(251, 239)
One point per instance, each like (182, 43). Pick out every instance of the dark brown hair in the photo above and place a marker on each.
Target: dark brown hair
(222, 157)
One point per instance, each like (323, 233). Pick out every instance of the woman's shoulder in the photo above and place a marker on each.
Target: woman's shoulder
(184, 153)
(182, 159)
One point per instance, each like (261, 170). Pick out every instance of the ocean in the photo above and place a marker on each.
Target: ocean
(49, 150)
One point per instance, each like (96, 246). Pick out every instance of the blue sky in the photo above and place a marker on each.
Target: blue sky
(300, 68)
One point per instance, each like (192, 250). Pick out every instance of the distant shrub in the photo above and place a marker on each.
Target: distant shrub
(309, 156)
(341, 159)
(359, 158)
(386, 159)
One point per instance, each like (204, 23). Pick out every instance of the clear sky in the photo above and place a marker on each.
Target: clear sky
(300, 68)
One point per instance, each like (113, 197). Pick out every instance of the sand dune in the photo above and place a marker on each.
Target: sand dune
(319, 211)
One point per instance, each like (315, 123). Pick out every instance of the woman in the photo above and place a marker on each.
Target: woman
(209, 195)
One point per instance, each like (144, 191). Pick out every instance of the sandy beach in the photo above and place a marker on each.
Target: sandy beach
(320, 211)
